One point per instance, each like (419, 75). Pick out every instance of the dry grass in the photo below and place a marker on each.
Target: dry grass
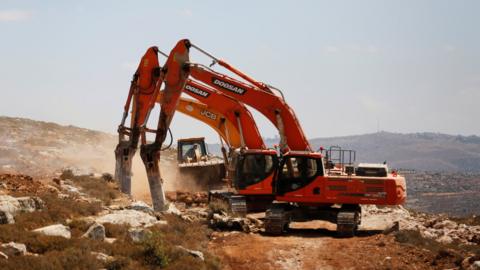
(157, 251)
(56, 211)
(101, 188)
(69, 258)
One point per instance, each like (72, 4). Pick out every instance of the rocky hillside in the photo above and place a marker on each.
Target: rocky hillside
(84, 222)
(38, 148)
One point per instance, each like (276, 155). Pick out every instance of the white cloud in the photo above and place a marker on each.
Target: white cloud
(14, 15)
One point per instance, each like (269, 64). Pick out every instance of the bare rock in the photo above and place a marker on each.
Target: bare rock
(6, 218)
(445, 224)
(21, 204)
(141, 206)
(475, 266)
(138, 234)
(104, 258)
(3, 256)
(13, 249)
(225, 222)
(172, 209)
(55, 230)
(96, 231)
(194, 253)
(133, 218)
(445, 239)
(110, 240)
(10, 206)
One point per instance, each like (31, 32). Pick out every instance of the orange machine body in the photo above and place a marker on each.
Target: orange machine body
(390, 190)
(337, 187)
(145, 87)
(209, 116)
(265, 102)
(321, 189)
(233, 110)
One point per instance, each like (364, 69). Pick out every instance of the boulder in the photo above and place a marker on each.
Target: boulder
(14, 205)
(138, 234)
(133, 218)
(141, 206)
(13, 249)
(10, 206)
(96, 231)
(6, 218)
(55, 230)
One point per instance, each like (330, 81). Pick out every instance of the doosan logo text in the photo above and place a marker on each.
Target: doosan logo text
(197, 91)
(229, 87)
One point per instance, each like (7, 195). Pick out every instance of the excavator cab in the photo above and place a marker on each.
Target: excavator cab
(195, 163)
(297, 170)
(192, 150)
(253, 167)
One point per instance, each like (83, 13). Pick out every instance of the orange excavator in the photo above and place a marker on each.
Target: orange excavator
(144, 90)
(306, 185)
(252, 164)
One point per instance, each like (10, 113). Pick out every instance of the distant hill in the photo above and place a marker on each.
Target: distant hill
(419, 151)
(34, 146)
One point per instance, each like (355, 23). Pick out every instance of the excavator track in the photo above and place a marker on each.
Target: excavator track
(277, 219)
(347, 223)
(237, 204)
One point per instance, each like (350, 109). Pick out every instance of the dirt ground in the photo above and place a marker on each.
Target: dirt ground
(318, 249)
(315, 245)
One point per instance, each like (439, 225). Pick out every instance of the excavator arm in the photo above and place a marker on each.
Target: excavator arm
(143, 90)
(211, 117)
(176, 73)
(233, 110)
(143, 93)
(259, 96)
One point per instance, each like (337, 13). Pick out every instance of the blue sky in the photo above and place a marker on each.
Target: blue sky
(346, 67)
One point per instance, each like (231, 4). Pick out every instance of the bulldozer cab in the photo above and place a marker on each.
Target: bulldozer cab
(191, 150)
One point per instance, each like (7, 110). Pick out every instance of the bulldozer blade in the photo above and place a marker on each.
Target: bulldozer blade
(150, 154)
(123, 166)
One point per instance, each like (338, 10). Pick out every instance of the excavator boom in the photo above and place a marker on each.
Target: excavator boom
(211, 117)
(266, 102)
(143, 93)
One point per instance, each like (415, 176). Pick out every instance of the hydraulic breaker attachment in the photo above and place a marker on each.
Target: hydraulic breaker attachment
(123, 167)
(124, 153)
(150, 154)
